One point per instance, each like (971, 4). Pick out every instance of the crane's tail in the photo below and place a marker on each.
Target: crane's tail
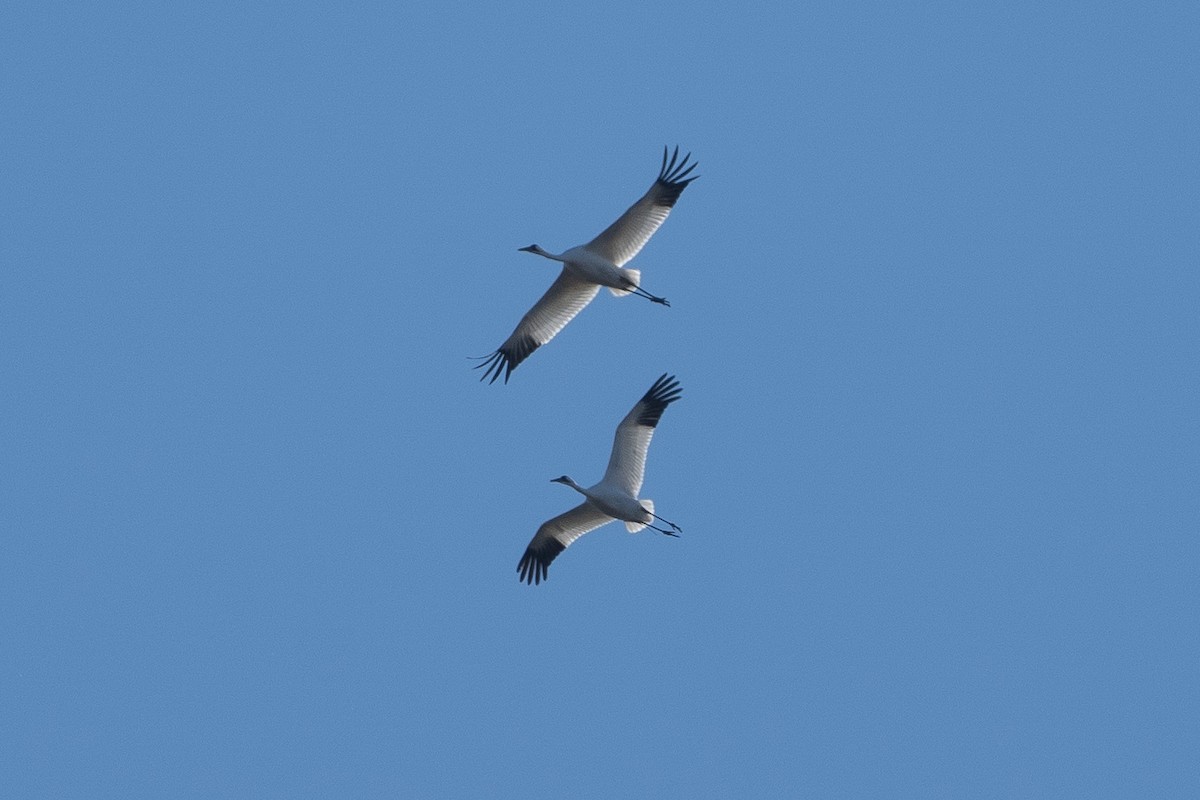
(632, 275)
(634, 527)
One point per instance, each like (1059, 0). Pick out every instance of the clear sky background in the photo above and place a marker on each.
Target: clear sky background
(934, 311)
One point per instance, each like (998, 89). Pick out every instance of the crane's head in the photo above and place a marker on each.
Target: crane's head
(533, 248)
(562, 479)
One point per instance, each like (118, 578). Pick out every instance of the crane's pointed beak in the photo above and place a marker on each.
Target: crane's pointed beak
(533, 248)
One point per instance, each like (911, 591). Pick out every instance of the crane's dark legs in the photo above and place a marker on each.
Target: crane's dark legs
(663, 530)
(640, 292)
(672, 524)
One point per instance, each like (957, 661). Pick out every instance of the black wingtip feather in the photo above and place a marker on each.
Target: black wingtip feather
(493, 366)
(672, 179)
(506, 359)
(535, 564)
(666, 390)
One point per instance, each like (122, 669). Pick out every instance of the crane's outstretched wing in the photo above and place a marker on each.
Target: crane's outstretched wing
(554, 536)
(627, 464)
(565, 298)
(622, 240)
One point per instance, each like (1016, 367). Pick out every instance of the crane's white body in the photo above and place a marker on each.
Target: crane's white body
(617, 503)
(590, 266)
(615, 497)
(600, 262)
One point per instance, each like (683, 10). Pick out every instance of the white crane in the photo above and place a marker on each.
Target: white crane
(616, 495)
(586, 268)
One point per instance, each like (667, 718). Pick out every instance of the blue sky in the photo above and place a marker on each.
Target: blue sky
(934, 311)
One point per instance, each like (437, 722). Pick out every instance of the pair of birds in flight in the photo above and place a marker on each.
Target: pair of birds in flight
(586, 268)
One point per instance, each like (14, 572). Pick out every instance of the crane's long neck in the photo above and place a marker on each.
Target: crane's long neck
(568, 482)
(533, 248)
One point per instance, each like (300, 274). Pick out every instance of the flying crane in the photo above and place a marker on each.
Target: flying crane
(600, 262)
(616, 495)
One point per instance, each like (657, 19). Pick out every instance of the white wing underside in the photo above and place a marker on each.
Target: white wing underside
(570, 525)
(627, 464)
(565, 298)
(626, 237)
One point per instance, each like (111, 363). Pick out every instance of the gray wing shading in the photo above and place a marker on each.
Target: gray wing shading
(627, 464)
(565, 298)
(622, 240)
(554, 536)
